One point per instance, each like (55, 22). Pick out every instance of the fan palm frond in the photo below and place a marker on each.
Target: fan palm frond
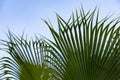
(85, 48)
(26, 61)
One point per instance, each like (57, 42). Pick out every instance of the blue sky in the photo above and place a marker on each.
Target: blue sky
(27, 15)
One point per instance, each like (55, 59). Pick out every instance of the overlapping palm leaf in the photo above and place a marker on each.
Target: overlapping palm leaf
(84, 48)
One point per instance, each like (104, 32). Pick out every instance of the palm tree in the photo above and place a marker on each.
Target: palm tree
(84, 48)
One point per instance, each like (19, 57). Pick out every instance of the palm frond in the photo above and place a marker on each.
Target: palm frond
(85, 48)
(26, 61)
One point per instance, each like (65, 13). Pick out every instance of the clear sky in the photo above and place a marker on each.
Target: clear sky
(27, 15)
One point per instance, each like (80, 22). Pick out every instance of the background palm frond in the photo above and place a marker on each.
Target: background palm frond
(26, 61)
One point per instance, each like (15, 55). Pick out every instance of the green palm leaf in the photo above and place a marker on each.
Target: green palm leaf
(85, 48)
(26, 61)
